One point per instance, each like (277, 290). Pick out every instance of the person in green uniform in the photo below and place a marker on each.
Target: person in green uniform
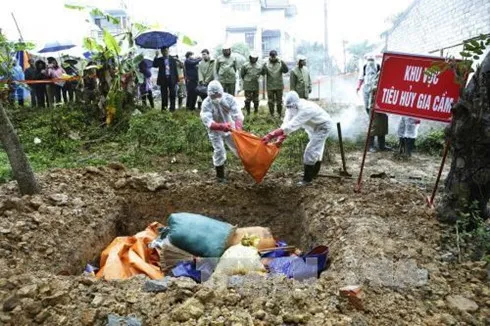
(225, 68)
(300, 80)
(273, 69)
(250, 74)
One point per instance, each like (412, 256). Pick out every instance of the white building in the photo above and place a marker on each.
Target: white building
(263, 25)
(101, 22)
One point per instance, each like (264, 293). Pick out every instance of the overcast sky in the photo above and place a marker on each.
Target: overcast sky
(351, 20)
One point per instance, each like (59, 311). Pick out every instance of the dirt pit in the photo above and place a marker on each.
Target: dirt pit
(385, 240)
(283, 213)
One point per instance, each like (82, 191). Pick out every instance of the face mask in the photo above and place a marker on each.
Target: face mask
(216, 100)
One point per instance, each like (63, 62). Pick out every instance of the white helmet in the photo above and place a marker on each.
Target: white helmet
(254, 55)
(301, 58)
(226, 46)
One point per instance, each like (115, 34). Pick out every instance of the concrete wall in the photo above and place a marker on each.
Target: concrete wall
(434, 25)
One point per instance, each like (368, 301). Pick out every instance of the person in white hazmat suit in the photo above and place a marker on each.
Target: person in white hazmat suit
(220, 114)
(407, 133)
(369, 78)
(315, 121)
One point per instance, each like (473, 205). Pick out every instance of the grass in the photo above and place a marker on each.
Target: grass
(72, 136)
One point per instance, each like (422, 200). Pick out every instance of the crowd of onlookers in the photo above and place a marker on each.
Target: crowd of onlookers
(42, 93)
(192, 76)
(176, 80)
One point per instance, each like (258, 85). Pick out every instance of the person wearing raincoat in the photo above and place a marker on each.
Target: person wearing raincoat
(407, 133)
(219, 114)
(317, 123)
(274, 69)
(300, 80)
(250, 73)
(225, 68)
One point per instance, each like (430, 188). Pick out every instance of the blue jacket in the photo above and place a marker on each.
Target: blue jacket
(191, 69)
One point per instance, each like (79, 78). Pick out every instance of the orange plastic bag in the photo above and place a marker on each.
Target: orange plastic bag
(256, 156)
(129, 256)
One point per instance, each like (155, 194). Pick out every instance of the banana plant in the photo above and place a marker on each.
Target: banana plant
(118, 66)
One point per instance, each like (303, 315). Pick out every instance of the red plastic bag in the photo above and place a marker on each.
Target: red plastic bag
(256, 156)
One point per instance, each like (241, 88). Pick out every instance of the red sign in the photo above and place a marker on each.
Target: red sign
(405, 89)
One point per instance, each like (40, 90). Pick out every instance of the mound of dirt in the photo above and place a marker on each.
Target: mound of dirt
(383, 239)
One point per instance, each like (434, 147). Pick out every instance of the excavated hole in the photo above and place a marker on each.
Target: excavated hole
(280, 210)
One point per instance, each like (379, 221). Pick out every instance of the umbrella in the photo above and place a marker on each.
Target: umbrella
(56, 46)
(155, 40)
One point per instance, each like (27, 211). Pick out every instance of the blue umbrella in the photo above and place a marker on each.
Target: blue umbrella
(155, 40)
(56, 46)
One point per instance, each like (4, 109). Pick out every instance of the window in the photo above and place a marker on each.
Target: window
(271, 43)
(240, 7)
(123, 20)
(97, 22)
(250, 40)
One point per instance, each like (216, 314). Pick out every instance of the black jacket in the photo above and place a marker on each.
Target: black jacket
(30, 73)
(160, 64)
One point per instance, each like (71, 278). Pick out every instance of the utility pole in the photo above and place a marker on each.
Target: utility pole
(344, 42)
(327, 56)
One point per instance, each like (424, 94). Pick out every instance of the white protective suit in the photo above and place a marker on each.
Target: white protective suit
(227, 111)
(368, 74)
(313, 119)
(408, 128)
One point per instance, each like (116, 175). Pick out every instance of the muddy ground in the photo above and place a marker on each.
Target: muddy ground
(384, 239)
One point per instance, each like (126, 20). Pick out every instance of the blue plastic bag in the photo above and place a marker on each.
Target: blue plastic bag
(199, 235)
(199, 272)
(301, 267)
(278, 252)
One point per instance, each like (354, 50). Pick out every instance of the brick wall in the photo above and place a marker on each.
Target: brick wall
(434, 25)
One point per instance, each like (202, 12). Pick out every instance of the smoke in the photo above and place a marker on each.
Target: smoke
(338, 96)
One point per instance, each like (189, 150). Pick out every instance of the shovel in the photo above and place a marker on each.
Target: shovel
(342, 172)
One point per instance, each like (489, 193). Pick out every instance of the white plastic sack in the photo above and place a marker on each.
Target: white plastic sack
(239, 260)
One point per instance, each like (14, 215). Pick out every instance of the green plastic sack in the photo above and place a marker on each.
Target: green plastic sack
(199, 235)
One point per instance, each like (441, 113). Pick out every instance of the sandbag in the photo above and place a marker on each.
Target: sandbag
(199, 235)
(256, 156)
(239, 260)
(264, 234)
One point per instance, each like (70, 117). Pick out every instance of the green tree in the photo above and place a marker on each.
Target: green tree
(315, 57)
(21, 167)
(357, 51)
(468, 135)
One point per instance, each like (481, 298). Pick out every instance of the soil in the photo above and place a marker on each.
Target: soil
(384, 239)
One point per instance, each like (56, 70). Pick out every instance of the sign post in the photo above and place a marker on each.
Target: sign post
(404, 88)
(430, 200)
